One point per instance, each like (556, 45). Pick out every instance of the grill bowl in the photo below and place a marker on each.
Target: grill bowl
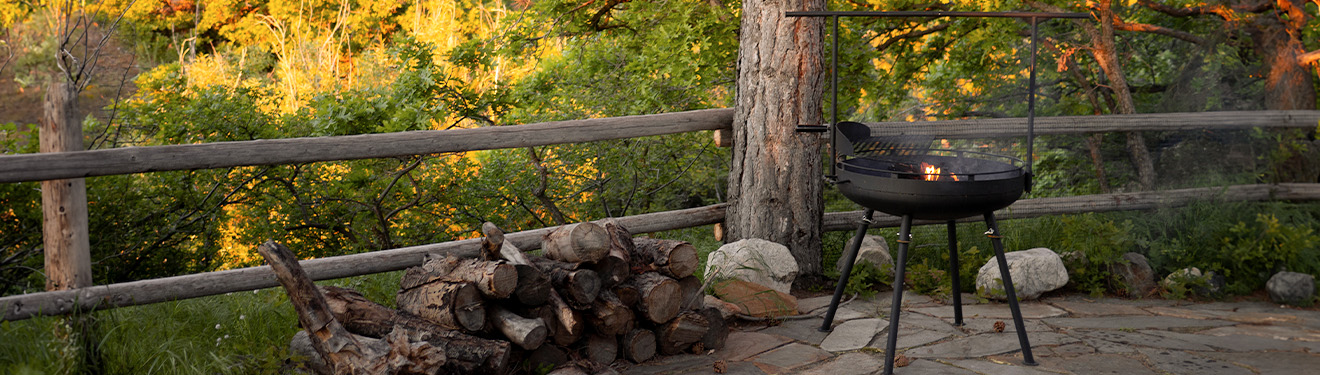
(882, 182)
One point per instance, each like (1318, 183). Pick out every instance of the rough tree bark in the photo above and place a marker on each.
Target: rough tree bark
(775, 179)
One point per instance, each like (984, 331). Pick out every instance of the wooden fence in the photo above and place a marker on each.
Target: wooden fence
(60, 165)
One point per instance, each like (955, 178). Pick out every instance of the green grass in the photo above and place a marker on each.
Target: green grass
(235, 333)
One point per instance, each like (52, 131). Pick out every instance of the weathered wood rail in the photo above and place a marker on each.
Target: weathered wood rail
(40, 167)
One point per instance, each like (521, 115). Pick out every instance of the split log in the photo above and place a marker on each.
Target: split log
(617, 264)
(576, 243)
(465, 352)
(609, 316)
(554, 328)
(565, 317)
(659, 296)
(693, 295)
(718, 331)
(491, 242)
(493, 279)
(678, 335)
(579, 286)
(533, 286)
(601, 349)
(638, 345)
(676, 259)
(526, 333)
(448, 304)
(342, 351)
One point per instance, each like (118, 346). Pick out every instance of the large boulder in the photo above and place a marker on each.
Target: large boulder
(874, 251)
(1291, 288)
(755, 260)
(1034, 272)
(1135, 273)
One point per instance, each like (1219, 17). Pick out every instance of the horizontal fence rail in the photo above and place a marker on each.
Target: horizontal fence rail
(101, 297)
(1059, 125)
(128, 160)
(1029, 208)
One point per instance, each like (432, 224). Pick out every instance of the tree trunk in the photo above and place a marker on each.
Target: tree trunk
(610, 316)
(576, 243)
(64, 202)
(565, 318)
(775, 180)
(578, 286)
(601, 349)
(494, 279)
(448, 304)
(528, 334)
(679, 334)
(533, 286)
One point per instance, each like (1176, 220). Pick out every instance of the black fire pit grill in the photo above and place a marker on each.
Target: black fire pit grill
(902, 176)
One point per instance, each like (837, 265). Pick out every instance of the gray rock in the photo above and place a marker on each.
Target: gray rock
(754, 260)
(1291, 287)
(987, 344)
(1209, 284)
(874, 251)
(853, 335)
(1180, 362)
(1134, 271)
(848, 364)
(1034, 272)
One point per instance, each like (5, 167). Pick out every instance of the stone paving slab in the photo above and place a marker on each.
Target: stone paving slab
(804, 330)
(853, 335)
(908, 338)
(1105, 364)
(988, 344)
(988, 367)
(1239, 343)
(1272, 362)
(1232, 316)
(809, 305)
(742, 345)
(925, 366)
(676, 364)
(1082, 309)
(849, 364)
(1141, 339)
(1181, 362)
(979, 326)
(1274, 332)
(995, 311)
(924, 321)
(1133, 322)
(1065, 351)
(792, 356)
(736, 368)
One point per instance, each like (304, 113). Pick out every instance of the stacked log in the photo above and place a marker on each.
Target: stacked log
(597, 295)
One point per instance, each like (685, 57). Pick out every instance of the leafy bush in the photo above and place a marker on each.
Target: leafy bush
(866, 279)
(1091, 244)
(1253, 253)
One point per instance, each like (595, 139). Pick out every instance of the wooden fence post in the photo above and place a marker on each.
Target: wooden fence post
(64, 202)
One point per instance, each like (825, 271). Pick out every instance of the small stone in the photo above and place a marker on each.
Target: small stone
(1291, 288)
(1135, 273)
(1034, 272)
(755, 260)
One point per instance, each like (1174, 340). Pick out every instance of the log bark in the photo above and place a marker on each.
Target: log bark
(556, 330)
(546, 355)
(494, 279)
(464, 352)
(527, 333)
(676, 259)
(601, 349)
(448, 304)
(610, 316)
(579, 286)
(617, 264)
(491, 242)
(638, 345)
(659, 296)
(568, 323)
(678, 335)
(533, 286)
(628, 294)
(576, 243)
(775, 178)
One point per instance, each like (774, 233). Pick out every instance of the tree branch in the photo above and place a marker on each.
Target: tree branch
(1226, 12)
(1309, 57)
(1158, 30)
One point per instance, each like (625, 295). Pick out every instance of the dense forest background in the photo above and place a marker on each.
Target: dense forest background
(176, 72)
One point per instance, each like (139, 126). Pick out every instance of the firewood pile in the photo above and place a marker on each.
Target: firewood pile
(598, 297)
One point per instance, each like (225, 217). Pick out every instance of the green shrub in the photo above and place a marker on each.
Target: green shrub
(1253, 253)
(1090, 245)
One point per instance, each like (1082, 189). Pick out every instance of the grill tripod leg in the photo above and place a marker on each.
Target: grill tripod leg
(900, 267)
(953, 274)
(1009, 292)
(850, 257)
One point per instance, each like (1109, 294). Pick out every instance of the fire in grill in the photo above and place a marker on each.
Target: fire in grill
(904, 177)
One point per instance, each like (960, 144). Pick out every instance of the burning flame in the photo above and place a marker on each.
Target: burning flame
(932, 173)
